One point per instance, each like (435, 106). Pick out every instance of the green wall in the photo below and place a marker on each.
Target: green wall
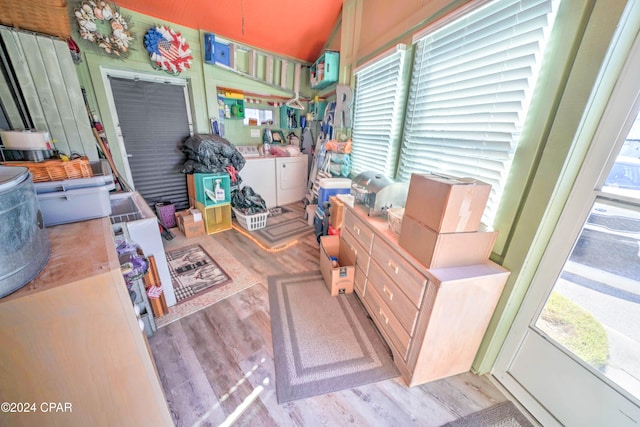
(203, 80)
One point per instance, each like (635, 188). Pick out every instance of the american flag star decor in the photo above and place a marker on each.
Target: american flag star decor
(169, 51)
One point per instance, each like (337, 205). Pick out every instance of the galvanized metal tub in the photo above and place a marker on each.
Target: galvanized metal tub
(24, 245)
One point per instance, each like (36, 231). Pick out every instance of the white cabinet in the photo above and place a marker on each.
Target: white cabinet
(433, 320)
(279, 180)
(291, 179)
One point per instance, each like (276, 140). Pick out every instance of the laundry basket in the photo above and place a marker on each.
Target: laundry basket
(251, 222)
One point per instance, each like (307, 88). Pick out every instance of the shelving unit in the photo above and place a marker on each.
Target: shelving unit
(289, 118)
(324, 72)
(142, 301)
(233, 108)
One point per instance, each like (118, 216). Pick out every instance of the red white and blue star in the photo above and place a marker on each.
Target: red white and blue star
(169, 51)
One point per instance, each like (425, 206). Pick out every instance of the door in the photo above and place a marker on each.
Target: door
(153, 120)
(573, 354)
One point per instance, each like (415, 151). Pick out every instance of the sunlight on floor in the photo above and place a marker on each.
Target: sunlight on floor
(239, 410)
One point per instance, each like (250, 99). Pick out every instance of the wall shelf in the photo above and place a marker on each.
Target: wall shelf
(324, 72)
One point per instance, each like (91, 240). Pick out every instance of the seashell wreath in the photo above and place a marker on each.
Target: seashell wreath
(102, 24)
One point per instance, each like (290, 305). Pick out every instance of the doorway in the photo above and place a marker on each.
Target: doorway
(572, 356)
(152, 120)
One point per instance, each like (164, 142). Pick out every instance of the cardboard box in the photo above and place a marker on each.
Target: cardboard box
(338, 279)
(443, 250)
(188, 225)
(336, 212)
(447, 204)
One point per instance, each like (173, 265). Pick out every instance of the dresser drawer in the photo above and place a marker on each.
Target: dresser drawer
(389, 325)
(360, 230)
(360, 282)
(362, 255)
(411, 281)
(402, 308)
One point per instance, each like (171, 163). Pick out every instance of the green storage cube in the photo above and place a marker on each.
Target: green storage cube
(209, 191)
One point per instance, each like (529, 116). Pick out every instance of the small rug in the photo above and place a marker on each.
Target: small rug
(504, 414)
(241, 278)
(321, 343)
(193, 271)
(282, 233)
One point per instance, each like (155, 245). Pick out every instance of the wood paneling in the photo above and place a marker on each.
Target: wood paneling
(49, 83)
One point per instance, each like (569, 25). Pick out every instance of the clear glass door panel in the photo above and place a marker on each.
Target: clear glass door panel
(594, 308)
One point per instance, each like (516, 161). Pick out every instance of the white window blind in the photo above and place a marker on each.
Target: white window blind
(380, 97)
(471, 84)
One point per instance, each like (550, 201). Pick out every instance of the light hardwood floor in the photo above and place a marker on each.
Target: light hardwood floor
(216, 365)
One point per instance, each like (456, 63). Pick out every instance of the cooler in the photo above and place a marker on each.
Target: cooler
(331, 186)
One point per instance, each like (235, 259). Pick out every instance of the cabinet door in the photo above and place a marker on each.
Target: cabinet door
(260, 175)
(291, 177)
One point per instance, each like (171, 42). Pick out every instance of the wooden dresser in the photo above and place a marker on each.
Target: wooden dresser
(70, 337)
(433, 320)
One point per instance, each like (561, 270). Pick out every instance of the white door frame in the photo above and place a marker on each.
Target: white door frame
(134, 75)
(615, 123)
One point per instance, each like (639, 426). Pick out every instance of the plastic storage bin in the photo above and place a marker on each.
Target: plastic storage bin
(77, 199)
(62, 207)
(331, 186)
(251, 222)
(167, 214)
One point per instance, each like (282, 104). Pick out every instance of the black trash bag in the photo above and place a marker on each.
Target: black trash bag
(248, 201)
(210, 154)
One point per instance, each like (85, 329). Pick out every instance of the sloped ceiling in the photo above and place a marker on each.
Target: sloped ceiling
(295, 28)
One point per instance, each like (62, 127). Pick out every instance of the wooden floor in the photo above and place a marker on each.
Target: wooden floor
(216, 365)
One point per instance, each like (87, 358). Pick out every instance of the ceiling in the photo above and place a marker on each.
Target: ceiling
(295, 28)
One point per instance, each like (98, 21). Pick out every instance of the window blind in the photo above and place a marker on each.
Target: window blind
(471, 85)
(380, 98)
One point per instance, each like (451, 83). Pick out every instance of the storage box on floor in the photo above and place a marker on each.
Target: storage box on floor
(77, 199)
(339, 279)
(441, 223)
(190, 223)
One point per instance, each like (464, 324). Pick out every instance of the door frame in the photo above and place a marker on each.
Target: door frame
(135, 75)
(622, 107)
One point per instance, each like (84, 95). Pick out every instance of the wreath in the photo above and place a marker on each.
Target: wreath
(169, 51)
(102, 24)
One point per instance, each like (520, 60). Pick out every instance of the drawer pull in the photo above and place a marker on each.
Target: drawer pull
(355, 250)
(388, 292)
(356, 229)
(385, 318)
(393, 266)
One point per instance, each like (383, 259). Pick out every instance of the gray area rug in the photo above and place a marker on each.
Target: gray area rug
(321, 343)
(504, 414)
(281, 233)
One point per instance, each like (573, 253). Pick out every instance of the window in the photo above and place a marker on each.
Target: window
(378, 114)
(471, 84)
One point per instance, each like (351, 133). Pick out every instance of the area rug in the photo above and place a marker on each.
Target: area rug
(504, 414)
(240, 277)
(321, 343)
(281, 233)
(193, 272)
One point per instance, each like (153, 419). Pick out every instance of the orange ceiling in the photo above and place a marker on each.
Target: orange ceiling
(295, 28)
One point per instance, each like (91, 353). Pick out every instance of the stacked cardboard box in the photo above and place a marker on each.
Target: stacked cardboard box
(337, 264)
(190, 223)
(441, 223)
